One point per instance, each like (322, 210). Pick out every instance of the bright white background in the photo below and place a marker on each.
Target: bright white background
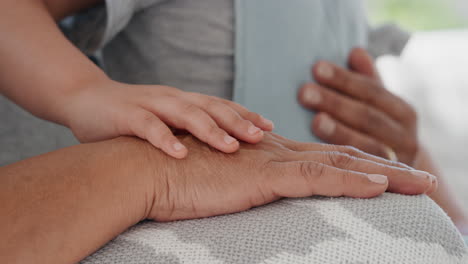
(432, 74)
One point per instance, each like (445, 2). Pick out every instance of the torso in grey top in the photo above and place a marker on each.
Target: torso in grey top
(182, 43)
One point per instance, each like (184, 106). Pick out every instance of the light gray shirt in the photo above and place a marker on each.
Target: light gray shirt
(182, 43)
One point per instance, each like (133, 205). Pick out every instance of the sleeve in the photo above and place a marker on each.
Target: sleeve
(95, 27)
(388, 39)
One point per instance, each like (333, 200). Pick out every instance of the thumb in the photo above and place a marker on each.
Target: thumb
(360, 61)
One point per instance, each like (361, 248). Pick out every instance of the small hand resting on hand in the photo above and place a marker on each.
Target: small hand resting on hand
(110, 109)
(355, 109)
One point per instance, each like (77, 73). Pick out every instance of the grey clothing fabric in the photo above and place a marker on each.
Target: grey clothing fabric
(23, 135)
(387, 39)
(182, 43)
(275, 52)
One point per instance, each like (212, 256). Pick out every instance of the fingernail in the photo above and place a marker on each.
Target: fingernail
(421, 174)
(324, 70)
(326, 125)
(253, 130)
(312, 96)
(377, 178)
(178, 146)
(229, 140)
(268, 122)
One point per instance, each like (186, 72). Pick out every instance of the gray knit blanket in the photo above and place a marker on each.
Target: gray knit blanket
(391, 228)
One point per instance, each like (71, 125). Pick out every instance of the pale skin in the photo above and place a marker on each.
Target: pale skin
(62, 206)
(355, 109)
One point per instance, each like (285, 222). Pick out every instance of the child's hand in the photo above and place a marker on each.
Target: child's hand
(113, 109)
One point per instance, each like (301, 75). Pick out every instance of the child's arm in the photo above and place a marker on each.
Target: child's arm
(44, 73)
(38, 66)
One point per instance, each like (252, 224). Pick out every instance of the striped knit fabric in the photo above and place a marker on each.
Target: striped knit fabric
(389, 229)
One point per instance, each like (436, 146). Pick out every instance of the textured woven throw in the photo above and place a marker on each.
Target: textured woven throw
(388, 229)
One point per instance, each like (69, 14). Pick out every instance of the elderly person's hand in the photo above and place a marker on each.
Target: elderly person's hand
(209, 182)
(85, 195)
(355, 109)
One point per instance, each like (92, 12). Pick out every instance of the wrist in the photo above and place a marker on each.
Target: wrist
(134, 161)
(69, 101)
(82, 196)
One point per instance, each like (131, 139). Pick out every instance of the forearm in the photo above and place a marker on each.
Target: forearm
(40, 68)
(60, 207)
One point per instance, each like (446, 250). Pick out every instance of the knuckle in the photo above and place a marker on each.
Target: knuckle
(212, 105)
(350, 150)
(412, 147)
(345, 81)
(146, 117)
(340, 160)
(233, 118)
(344, 183)
(143, 125)
(374, 93)
(345, 180)
(212, 130)
(254, 117)
(158, 127)
(166, 136)
(311, 171)
(234, 106)
(371, 121)
(334, 102)
(238, 122)
(189, 109)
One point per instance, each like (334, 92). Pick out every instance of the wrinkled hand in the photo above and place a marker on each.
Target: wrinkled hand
(209, 182)
(355, 109)
(110, 109)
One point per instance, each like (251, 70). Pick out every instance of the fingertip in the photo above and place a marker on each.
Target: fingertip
(424, 177)
(360, 60)
(316, 66)
(378, 185)
(311, 96)
(315, 123)
(229, 140)
(301, 94)
(231, 148)
(323, 125)
(230, 144)
(417, 182)
(178, 155)
(178, 151)
(323, 71)
(267, 124)
(254, 131)
(434, 185)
